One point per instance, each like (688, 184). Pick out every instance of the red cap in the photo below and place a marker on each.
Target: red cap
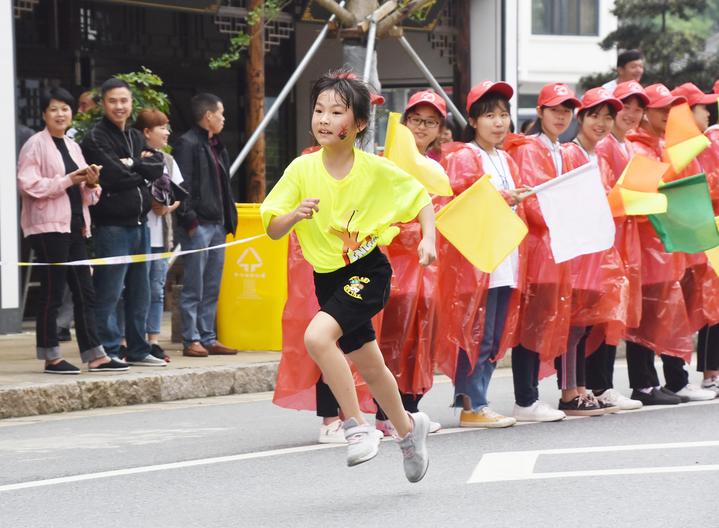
(660, 96)
(629, 88)
(716, 87)
(374, 98)
(599, 96)
(557, 93)
(694, 95)
(430, 98)
(486, 87)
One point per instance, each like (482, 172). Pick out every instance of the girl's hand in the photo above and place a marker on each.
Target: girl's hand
(92, 175)
(78, 176)
(307, 208)
(426, 251)
(514, 196)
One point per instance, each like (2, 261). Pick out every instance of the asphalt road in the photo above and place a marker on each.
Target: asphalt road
(238, 461)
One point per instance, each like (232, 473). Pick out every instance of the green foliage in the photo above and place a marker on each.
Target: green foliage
(671, 33)
(146, 93)
(269, 10)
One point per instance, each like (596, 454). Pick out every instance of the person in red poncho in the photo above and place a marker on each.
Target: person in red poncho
(545, 308)
(599, 284)
(408, 325)
(665, 327)
(477, 309)
(708, 282)
(614, 153)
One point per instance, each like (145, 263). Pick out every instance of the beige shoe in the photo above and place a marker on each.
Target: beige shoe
(485, 417)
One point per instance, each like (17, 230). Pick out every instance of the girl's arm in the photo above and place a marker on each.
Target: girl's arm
(426, 249)
(279, 226)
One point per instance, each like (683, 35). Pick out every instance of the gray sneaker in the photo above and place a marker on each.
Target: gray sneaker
(148, 361)
(414, 448)
(362, 442)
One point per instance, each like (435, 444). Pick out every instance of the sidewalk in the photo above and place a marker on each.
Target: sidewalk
(25, 390)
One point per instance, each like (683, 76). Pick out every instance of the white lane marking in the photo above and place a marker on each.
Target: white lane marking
(519, 465)
(164, 467)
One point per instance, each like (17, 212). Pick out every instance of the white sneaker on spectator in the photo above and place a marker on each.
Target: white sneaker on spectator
(616, 399)
(711, 384)
(434, 426)
(332, 433)
(538, 412)
(386, 428)
(695, 393)
(148, 361)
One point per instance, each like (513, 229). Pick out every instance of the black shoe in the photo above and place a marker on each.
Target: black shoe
(157, 351)
(684, 399)
(122, 352)
(61, 368)
(656, 397)
(582, 406)
(63, 334)
(112, 366)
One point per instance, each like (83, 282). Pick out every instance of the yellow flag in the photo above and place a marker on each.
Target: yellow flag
(684, 140)
(481, 225)
(682, 154)
(643, 203)
(713, 253)
(401, 148)
(635, 193)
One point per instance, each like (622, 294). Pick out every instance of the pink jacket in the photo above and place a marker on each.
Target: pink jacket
(42, 183)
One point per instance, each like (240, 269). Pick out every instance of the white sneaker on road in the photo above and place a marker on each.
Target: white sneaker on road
(695, 393)
(362, 440)
(332, 433)
(711, 384)
(538, 412)
(616, 399)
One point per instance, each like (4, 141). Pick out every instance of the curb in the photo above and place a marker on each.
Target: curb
(135, 388)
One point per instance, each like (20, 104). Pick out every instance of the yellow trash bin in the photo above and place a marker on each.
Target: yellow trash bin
(254, 287)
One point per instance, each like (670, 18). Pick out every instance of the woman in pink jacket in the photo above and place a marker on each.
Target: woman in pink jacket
(57, 186)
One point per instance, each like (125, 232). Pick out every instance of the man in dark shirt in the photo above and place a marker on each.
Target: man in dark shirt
(120, 222)
(205, 217)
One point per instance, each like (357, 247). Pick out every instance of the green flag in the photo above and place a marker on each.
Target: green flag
(688, 225)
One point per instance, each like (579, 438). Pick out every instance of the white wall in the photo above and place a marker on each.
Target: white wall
(548, 58)
(395, 68)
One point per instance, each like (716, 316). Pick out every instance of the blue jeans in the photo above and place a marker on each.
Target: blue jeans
(158, 273)
(109, 281)
(201, 283)
(474, 383)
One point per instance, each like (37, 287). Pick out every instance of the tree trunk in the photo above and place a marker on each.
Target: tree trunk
(256, 108)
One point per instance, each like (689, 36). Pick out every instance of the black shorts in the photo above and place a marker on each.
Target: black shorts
(353, 295)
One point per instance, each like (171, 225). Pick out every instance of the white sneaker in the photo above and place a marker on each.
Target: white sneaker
(538, 412)
(695, 393)
(332, 433)
(148, 361)
(434, 426)
(386, 428)
(711, 384)
(362, 440)
(615, 398)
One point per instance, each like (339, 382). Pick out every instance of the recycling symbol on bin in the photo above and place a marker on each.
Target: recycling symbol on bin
(249, 261)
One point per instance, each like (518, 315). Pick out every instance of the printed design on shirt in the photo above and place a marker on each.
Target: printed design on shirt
(355, 285)
(352, 248)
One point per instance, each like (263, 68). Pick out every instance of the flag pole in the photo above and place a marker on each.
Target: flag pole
(282, 95)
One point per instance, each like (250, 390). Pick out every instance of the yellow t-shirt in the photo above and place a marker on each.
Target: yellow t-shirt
(355, 214)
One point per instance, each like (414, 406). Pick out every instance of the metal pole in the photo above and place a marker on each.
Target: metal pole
(282, 96)
(432, 81)
(371, 36)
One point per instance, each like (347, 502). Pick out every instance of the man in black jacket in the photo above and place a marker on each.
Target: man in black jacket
(120, 222)
(205, 218)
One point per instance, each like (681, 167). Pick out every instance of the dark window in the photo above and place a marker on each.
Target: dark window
(565, 17)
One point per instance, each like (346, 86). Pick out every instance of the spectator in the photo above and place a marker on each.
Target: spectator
(630, 67)
(57, 186)
(205, 217)
(120, 219)
(153, 125)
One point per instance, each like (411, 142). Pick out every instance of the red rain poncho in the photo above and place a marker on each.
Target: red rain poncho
(297, 372)
(665, 326)
(545, 308)
(612, 162)
(462, 288)
(600, 289)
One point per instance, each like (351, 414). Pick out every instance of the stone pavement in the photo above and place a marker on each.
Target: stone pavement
(25, 390)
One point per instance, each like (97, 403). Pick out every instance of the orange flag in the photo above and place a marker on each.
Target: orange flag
(684, 140)
(635, 193)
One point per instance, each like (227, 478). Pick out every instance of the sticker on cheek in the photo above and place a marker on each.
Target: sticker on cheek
(343, 133)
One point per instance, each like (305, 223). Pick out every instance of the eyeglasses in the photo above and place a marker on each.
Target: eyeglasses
(418, 121)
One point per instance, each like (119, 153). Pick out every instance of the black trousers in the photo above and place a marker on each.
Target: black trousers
(642, 374)
(410, 403)
(525, 374)
(327, 406)
(600, 366)
(708, 348)
(64, 247)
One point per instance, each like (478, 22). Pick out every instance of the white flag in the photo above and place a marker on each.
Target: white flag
(577, 213)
